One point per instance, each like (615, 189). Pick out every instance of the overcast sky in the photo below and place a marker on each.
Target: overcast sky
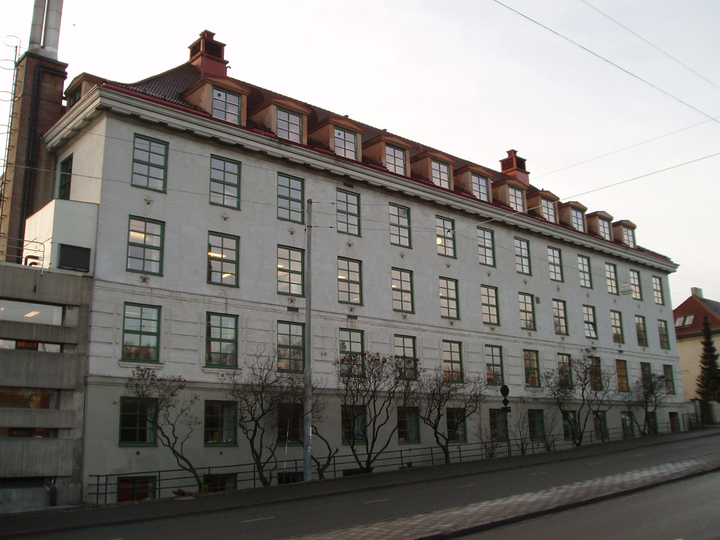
(631, 100)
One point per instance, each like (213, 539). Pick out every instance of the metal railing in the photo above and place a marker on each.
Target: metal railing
(20, 251)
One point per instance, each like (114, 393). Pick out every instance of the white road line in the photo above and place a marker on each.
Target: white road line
(257, 519)
(375, 501)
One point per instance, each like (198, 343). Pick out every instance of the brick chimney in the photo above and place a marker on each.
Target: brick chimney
(208, 55)
(696, 292)
(514, 167)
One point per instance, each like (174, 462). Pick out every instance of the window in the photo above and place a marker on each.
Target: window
(532, 368)
(628, 427)
(216, 483)
(445, 230)
(663, 332)
(402, 290)
(141, 333)
(149, 163)
(345, 143)
(651, 421)
(480, 187)
(522, 256)
(455, 424)
(408, 425)
(351, 352)
(585, 272)
(498, 425)
(658, 293)
(440, 174)
(145, 246)
(289, 126)
(611, 278)
(349, 281)
(527, 311)
(137, 421)
(223, 261)
(494, 364)
(604, 229)
(348, 212)
(616, 324)
(645, 371)
(687, 320)
(596, 382)
(399, 225)
(629, 237)
(548, 210)
(28, 398)
(220, 423)
(65, 178)
(589, 321)
(669, 379)
(406, 357)
(635, 284)
(290, 423)
(449, 299)
(569, 425)
(290, 268)
(536, 424)
(490, 310)
(226, 106)
(641, 330)
(221, 340)
(224, 182)
(486, 246)
(290, 205)
(516, 198)
(578, 219)
(39, 346)
(622, 375)
(564, 370)
(30, 312)
(353, 424)
(555, 264)
(600, 425)
(291, 347)
(395, 159)
(135, 488)
(452, 361)
(560, 317)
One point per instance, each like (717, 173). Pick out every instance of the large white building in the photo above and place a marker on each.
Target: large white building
(184, 199)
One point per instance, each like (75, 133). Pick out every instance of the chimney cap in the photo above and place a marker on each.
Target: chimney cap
(696, 292)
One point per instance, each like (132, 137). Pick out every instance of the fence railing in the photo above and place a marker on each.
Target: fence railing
(20, 251)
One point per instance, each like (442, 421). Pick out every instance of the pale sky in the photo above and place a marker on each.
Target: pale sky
(472, 78)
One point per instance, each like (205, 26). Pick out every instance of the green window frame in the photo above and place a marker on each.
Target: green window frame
(596, 382)
(536, 424)
(569, 425)
(145, 246)
(220, 427)
(225, 182)
(135, 488)
(585, 272)
(221, 338)
(290, 198)
(406, 356)
(349, 273)
(449, 294)
(408, 422)
(645, 371)
(622, 376)
(291, 347)
(351, 344)
(531, 363)
(589, 322)
(149, 167)
(223, 259)
(141, 333)
(138, 421)
(617, 327)
(480, 187)
(440, 174)
(486, 246)
(289, 125)
(455, 424)
(216, 483)
(445, 231)
(669, 379)
(226, 105)
(353, 424)
(527, 311)
(395, 159)
(663, 333)
(290, 423)
(452, 360)
(564, 361)
(522, 256)
(290, 271)
(490, 308)
(402, 290)
(516, 199)
(658, 293)
(560, 317)
(345, 143)
(628, 424)
(641, 331)
(636, 285)
(348, 212)
(611, 278)
(494, 365)
(555, 264)
(498, 425)
(65, 178)
(400, 232)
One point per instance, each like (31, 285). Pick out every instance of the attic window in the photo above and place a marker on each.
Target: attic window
(687, 320)
(226, 106)
(578, 219)
(441, 174)
(480, 187)
(604, 229)
(345, 143)
(629, 237)
(289, 125)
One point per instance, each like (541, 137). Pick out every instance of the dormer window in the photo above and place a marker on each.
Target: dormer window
(395, 159)
(480, 187)
(345, 143)
(440, 174)
(226, 106)
(516, 199)
(604, 229)
(629, 237)
(548, 210)
(578, 219)
(289, 125)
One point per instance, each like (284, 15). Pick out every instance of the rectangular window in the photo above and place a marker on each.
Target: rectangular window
(395, 159)
(28, 398)
(629, 237)
(348, 212)
(480, 187)
(290, 423)
(400, 226)
(408, 425)
(560, 317)
(145, 246)
(353, 424)
(135, 488)
(604, 229)
(585, 272)
(658, 293)
(226, 106)
(455, 424)
(578, 219)
(522, 256)
(289, 126)
(402, 290)
(290, 271)
(351, 352)
(65, 178)
(669, 379)
(628, 424)
(452, 361)
(536, 424)
(486, 246)
(494, 364)
(596, 382)
(349, 281)
(216, 483)
(635, 284)
(291, 347)
(39, 346)
(449, 299)
(555, 264)
(440, 174)
(345, 143)
(645, 371)
(600, 425)
(641, 330)
(221, 340)
(611, 277)
(569, 425)
(223, 258)
(407, 362)
(622, 375)
(617, 329)
(548, 210)
(589, 322)
(224, 182)
(141, 333)
(565, 369)
(527, 311)
(663, 332)
(30, 312)
(490, 310)
(220, 423)
(498, 425)
(290, 205)
(516, 199)
(149, 163)
(137, 421)
(532, 368)
(445, 230)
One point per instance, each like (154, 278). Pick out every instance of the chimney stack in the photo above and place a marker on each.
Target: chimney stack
(696, 292)
(514, 167)
(208, 55)
(45, 29)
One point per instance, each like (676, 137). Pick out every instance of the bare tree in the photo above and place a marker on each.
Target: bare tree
(171, 419)
(319, 405)
(550, 428)
(646, 394)
(519, 425)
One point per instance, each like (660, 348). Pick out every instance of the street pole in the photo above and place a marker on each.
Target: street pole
(307, 401)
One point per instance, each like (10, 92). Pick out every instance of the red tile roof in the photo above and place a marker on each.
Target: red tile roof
(700, 308)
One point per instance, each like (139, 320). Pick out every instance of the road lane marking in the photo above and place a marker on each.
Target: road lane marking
(640, 455)
(257, 519)
(466, 486)
(595, 463)
(375, 501)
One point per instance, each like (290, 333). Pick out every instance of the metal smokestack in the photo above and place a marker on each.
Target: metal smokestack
(45, 29)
